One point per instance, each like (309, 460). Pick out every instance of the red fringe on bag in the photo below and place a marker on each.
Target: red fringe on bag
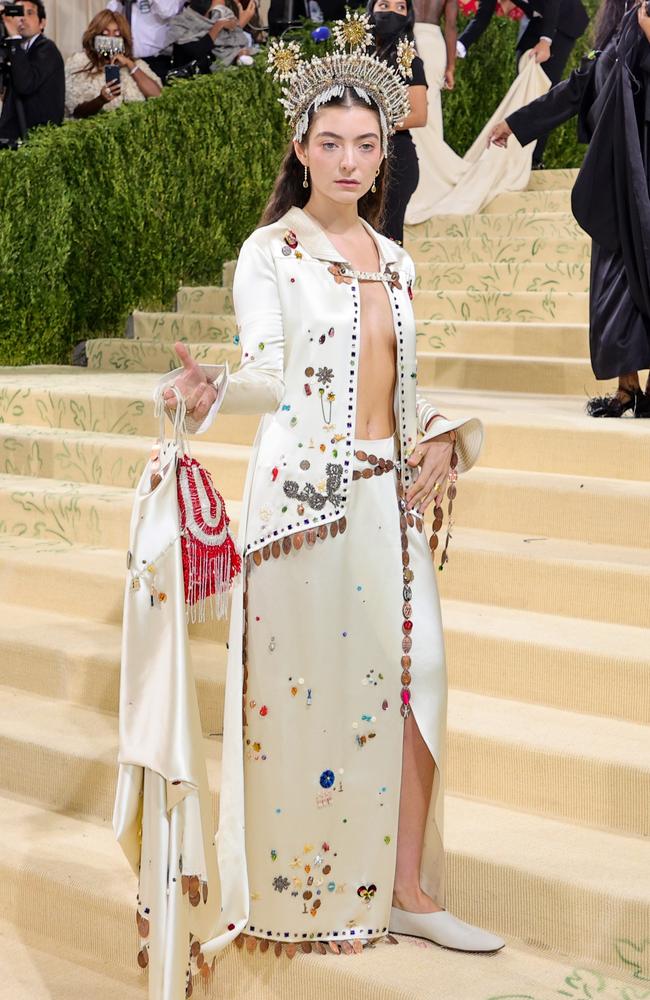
(210, 559)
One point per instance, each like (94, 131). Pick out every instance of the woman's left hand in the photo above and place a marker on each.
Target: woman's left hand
(434, 459)
(644, 20)
(119, 59)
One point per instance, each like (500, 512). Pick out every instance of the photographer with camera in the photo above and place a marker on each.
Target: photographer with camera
(32, 75)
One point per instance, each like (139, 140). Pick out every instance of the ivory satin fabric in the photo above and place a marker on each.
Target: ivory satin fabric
(162, 792)
(454, 185)
(323, 742)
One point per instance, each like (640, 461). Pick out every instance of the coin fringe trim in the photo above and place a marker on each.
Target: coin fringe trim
(291, 948)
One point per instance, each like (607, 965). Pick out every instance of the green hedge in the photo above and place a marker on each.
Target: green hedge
(111, 214)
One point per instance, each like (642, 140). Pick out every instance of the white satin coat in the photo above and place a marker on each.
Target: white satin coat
(295, 319)
(299, 329)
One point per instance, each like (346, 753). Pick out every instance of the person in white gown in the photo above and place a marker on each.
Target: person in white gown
(332, 773)
(457, 185)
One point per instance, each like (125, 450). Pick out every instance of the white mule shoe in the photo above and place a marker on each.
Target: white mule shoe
(444, 929)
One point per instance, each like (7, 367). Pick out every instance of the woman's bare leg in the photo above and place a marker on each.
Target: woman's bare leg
(418, 771)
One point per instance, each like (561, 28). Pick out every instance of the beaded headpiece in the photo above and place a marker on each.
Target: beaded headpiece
(308, 84)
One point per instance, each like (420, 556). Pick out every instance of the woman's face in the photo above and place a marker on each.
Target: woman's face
(112, 30)
(343, 152)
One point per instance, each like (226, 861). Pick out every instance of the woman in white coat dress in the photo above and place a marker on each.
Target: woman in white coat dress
(330, 827)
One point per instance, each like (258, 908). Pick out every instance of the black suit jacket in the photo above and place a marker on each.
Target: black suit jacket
(37, 78)
(567, 16)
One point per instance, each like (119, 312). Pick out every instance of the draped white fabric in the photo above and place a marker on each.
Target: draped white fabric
(454, 185)
(67, 20)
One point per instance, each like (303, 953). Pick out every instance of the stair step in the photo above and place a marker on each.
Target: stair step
(575, 767)
(544, 659)
(495, 372)
(33, 571)
(461, 336)
(192, 328)
(549, 225)
(497, 249)
(491, 337)
(104, 459)
(555, 180)
(208, 298)
(552, 884)
(520, 306)
(567, 275)
(589, 509)
(118, 354)
(605, 583)
(558, 276)
(69, 512)
(77, 660)
(548, 575)
(42, 764)
(509, 373)
(40, 974)
(77, 399)
(538, 880)
(543, 432)
(580, 508)
(545, 200)
(551, 434)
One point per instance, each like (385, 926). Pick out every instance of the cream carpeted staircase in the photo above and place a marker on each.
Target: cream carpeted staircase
(546, 606)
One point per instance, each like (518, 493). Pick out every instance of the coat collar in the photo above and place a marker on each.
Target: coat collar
(316, 243)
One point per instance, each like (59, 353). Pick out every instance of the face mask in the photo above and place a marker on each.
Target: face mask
(108, 46)
(388, 23)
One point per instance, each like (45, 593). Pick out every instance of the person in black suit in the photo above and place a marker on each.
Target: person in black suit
(550, 31)
(35, 79)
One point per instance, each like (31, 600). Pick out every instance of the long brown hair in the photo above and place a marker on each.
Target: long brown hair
(288, 191)
(98, 26)
(607, 22)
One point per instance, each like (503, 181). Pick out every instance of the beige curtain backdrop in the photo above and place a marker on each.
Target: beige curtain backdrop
(67, 20)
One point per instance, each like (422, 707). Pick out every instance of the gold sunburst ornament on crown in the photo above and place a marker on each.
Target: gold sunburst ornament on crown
(308, 84)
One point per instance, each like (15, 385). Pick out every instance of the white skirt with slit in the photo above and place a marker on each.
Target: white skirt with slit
(330, 625)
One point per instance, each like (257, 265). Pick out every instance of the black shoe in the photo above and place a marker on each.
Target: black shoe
(643, 405)
(616, 405)
(538, 166)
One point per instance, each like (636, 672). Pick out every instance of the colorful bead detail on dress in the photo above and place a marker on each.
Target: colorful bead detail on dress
(407, 610)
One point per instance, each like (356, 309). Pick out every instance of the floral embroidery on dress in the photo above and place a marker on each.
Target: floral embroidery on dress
(280, 883)
(324, 375)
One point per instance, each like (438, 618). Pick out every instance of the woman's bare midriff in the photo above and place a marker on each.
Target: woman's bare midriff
(377, 364)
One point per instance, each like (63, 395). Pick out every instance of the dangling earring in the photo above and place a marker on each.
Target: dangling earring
(374, 186)
(305, 182)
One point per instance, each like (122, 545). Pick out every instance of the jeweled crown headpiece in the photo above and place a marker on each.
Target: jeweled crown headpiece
(308, 84)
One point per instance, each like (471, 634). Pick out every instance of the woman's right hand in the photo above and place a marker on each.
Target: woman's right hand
(500, 134)
(193, 385)
(644, 20)
(110, 91)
